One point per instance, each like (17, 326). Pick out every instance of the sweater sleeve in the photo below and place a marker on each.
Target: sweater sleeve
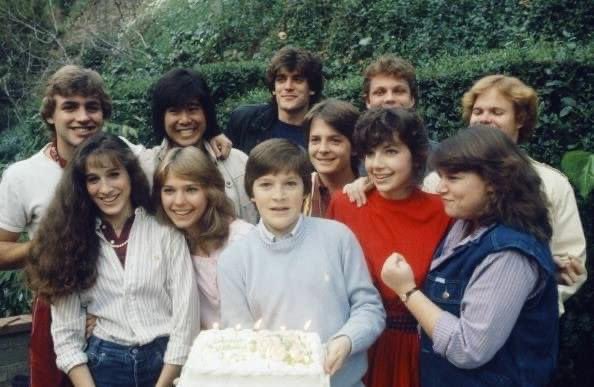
(367, 315)
(568, 234)
(491, 304)
(233, 290)
(185, 319)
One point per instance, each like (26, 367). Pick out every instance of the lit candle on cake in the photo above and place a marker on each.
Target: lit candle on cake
(238, 327)
(215, 325)
(283, 328)
(307, 325)
(258, 324)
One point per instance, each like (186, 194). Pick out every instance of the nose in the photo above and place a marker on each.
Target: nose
(289, 83)
(82, 115)
(484, 118)
(104, 187)
(178, 198)
(184, 117)
(389, 99)
(323, 146)
(375, 161)
(278, 192)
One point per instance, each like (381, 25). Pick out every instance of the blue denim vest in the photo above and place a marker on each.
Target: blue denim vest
(529, 356)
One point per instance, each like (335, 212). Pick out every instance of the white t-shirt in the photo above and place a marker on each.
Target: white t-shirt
(26, 189)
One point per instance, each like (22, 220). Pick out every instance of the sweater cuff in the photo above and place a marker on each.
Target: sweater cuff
(356, 341)
(68, 361)
(442, 332)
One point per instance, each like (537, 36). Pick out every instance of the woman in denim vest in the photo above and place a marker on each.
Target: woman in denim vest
(488, 307)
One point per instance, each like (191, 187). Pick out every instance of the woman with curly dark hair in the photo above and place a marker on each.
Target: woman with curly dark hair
(100, 251)
(398, 217)
(489, 306)
(189, 193)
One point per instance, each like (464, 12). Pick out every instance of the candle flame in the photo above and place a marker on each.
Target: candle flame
(238, 327)
(215, 325)
(307, 325)
(283, 328)
(258, 324)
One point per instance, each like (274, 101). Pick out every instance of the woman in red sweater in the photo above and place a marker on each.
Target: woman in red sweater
(398, 217)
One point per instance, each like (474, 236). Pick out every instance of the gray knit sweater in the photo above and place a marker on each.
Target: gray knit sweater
(318, 275)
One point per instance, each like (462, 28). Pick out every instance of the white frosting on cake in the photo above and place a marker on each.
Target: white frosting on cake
(249, 358)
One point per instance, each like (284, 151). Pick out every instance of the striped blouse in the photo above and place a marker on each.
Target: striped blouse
(154, 295)
(492, 302)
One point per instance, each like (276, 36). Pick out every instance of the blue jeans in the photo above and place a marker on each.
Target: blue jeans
(115, 365)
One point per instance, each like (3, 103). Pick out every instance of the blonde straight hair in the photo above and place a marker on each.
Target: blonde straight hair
(212, 229)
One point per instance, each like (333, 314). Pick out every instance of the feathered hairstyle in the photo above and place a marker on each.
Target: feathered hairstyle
(518, 200)
(66, 247)
(189, 163)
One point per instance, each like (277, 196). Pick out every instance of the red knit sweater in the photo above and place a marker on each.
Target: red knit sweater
(413, 227)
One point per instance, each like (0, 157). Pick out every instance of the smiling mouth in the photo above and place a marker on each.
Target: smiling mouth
(181, 212)
(85, 129)
(109, 200)
(381, 177)
(185, 130)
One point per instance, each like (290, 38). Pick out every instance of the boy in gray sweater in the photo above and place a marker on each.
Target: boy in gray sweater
(295, 272)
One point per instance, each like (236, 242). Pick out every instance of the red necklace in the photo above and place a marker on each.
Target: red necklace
(53, 151)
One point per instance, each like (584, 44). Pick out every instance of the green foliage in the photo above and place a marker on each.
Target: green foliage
(579, 167)
(14, 297)
(347, 33)
(546, 43)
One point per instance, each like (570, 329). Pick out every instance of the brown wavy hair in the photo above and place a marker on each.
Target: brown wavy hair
(189, 163)
(73, 80)
(393, 66)
(66, 246)
(518, 200)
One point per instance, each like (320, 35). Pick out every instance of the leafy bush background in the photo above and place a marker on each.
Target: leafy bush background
(547, 43)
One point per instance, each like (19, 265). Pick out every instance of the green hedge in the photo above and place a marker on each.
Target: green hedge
(562, 74)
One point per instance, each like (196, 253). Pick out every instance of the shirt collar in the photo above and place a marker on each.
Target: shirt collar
(270, 237)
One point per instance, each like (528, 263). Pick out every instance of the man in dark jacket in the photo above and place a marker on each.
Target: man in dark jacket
(294, 78)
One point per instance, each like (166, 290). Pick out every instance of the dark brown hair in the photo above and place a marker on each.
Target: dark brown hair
(66, 246)
(304, 62)
(379, 125)
(518, 200)
(191, 164)
(277, 155)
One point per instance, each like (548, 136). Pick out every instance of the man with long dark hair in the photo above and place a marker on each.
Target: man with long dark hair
(294, 78)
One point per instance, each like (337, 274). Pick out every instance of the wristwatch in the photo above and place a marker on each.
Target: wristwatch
(404, 297)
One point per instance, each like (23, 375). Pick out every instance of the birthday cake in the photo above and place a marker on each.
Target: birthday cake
(249, 358)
